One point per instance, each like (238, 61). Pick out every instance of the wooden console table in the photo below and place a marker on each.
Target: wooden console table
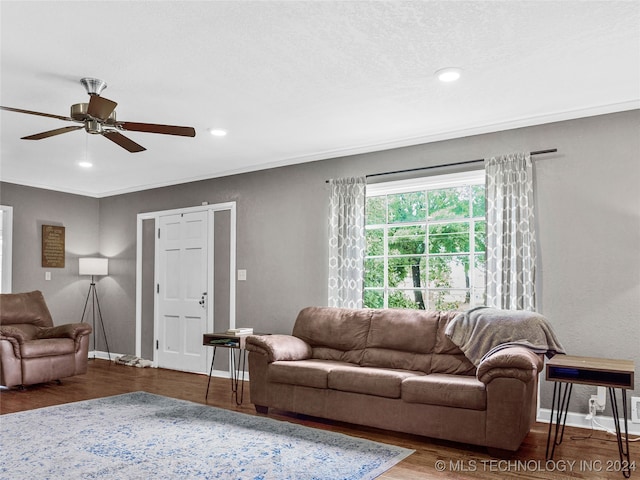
(565, 370)
(238, 358)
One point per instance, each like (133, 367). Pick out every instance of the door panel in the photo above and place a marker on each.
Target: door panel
(183, 283)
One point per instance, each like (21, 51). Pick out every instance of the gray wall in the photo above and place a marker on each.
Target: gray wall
(32, 207)
(588, 215)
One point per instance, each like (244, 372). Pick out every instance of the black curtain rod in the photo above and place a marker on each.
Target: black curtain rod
(467, 162)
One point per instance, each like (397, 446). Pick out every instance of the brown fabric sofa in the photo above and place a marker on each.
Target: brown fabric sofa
(32, 349)
(395, 370)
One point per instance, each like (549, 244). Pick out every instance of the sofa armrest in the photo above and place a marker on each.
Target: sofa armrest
(279, 347)
(69, 330)
(512, 362)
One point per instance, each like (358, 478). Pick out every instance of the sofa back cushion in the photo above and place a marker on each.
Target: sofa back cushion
(401, 339)
(28, 307)
(334, 333)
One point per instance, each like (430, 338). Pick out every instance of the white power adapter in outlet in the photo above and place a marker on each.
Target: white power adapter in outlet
(635, 409)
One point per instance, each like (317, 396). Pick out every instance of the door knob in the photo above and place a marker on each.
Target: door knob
(203, 300)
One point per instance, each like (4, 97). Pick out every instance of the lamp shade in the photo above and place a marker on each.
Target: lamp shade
(93, 266)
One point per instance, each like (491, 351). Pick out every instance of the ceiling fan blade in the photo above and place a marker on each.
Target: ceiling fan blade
(100, 107)
(52, 133)
(124, 142)
(155, 128)
(19, 110)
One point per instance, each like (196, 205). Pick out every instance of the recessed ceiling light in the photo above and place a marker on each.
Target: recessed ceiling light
(85, 164)
(449, 74)
(217, 132)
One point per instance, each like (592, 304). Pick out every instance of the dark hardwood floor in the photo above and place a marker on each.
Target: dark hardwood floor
(575, 458)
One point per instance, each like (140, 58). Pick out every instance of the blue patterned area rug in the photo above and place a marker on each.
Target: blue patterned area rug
(145, 436)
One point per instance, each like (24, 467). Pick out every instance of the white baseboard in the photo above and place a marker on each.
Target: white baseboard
(104, 355)
(579, 420)
(216, 373)
(226, 374)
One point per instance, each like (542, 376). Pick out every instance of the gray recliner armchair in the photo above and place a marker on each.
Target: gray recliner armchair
(32, 349)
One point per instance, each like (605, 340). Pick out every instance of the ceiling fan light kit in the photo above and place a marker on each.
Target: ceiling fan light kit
(98, 117)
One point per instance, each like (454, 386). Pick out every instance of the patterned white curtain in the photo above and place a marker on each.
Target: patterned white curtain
(511, 238)
(346, 242)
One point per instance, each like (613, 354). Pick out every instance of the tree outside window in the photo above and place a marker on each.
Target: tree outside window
(426, 246)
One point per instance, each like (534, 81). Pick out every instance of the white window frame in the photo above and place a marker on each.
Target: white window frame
(6, 240)
(435, 182)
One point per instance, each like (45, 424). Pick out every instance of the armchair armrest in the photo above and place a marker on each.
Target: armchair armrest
(7, 332)
(279, 347)
(512, 362)
(69, 330)
(15, 337)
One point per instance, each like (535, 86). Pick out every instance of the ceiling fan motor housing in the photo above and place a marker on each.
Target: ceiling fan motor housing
(79, 113)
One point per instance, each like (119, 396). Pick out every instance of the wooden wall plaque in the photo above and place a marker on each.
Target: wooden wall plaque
(52, 246)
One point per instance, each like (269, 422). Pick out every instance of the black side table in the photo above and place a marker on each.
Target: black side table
(565, 370)
(238, 358)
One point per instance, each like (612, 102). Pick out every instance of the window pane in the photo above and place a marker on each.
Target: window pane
(449, 271)
(479, 296)
(375, 241)
(407, 272)
(407, 299)
(406, 207)
(374, 272)
(481, 236)
(448, 299)
(449, 238)
(449, 203)
(374, 299)
(480, 271)
(478, 200)
(376, 210)
(406, 240)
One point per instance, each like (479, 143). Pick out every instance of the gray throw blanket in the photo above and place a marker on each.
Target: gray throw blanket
(481, 331)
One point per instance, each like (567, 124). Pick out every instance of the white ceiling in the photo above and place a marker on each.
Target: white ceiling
(296, 81)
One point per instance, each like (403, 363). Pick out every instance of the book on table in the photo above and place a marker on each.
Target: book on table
(240, 331)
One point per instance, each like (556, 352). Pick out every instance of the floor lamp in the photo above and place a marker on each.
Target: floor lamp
(94, 267)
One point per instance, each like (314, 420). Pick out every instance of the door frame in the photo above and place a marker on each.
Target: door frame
(155, 216)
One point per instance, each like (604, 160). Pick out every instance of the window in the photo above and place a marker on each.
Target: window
(426, 243)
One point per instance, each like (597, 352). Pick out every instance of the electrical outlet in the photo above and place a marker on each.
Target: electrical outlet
(635, 409)
(593, 407)
(595, 404)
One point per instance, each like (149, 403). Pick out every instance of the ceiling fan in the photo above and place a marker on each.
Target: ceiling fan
(99, 117)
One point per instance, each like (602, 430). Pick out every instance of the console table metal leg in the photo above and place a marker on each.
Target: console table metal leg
(234, 371)
(243, 354)
(559, 404)
(210, 372)
(623, 447)
(237, 365)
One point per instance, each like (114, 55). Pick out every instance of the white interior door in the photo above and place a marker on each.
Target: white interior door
(182, 290)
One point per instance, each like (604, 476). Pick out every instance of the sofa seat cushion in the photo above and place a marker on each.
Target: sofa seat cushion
(308, 373)
(47, 347)
(447, 390)
(381, 382)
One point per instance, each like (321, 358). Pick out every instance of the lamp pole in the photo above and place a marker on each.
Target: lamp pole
(95, 303)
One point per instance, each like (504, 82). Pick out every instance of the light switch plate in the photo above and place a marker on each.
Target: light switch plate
(242, 275)
(47, 275)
